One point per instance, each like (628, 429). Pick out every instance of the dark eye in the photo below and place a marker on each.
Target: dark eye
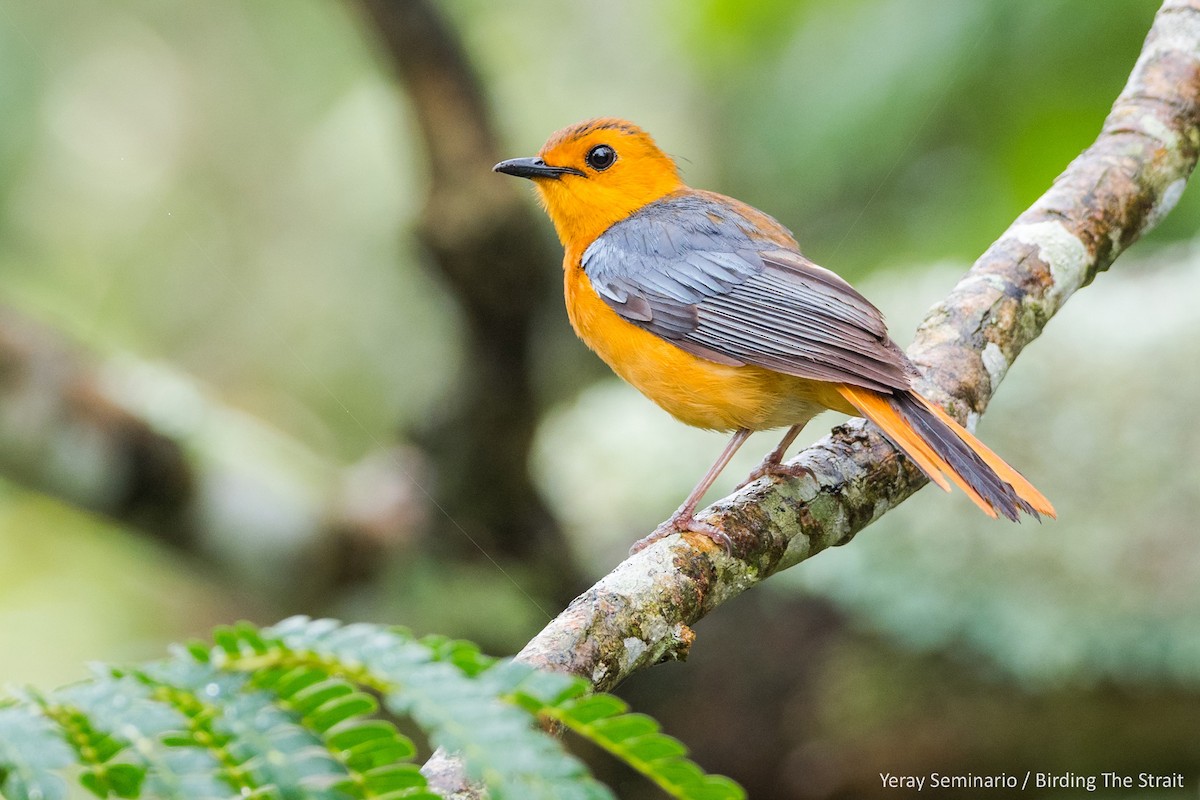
(601, 157)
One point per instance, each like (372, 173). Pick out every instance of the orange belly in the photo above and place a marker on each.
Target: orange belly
(695, 391)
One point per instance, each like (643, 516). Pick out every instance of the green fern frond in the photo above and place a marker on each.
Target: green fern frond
(292, 712)
(203, 727)
(96, 750)
(121, 703)
(260, 748)
(462, 654)
(33, 754)
(605, 720)
(372, 751)
(500, 747)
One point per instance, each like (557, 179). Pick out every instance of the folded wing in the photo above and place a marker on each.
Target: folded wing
(697, 273)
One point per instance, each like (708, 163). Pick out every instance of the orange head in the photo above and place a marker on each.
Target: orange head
(596, 173)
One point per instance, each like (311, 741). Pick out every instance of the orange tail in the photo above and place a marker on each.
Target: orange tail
(944, 449)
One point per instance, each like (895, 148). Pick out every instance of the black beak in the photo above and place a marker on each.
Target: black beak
(534, 168)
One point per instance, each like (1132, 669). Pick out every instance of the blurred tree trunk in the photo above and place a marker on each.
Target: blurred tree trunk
(491, 251)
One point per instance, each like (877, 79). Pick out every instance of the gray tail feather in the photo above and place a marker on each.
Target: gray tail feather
(961, 457)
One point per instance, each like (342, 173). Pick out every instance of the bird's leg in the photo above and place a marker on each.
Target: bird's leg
(682, 519)
(773, 463)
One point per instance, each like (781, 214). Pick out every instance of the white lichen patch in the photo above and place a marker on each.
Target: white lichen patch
(634, 648)
(993, 282)
(799, 547)
(1063, 251)
(1165, 204)
(1114, 238)
(1178, 37)
(1155, 127)
(995, 363)
(882, 506)
(657, 629)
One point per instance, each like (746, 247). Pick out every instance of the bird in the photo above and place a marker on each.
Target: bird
(707, 306)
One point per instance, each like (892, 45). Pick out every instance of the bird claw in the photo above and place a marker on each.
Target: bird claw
(777, 470)
(681, 524)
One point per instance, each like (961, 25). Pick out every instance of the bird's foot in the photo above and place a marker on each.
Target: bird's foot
(777, 469)
(680, 523)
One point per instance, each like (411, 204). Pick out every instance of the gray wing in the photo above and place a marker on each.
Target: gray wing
(700, 275)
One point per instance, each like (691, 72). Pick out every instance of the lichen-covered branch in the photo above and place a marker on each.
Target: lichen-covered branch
(143, 445)
(1115, 191)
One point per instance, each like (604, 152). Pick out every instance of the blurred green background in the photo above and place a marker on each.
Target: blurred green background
(216, 208)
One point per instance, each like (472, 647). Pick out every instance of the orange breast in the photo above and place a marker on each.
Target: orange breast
(695, 391)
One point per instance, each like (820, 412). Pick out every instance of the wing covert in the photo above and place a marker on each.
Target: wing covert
(694, 271)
